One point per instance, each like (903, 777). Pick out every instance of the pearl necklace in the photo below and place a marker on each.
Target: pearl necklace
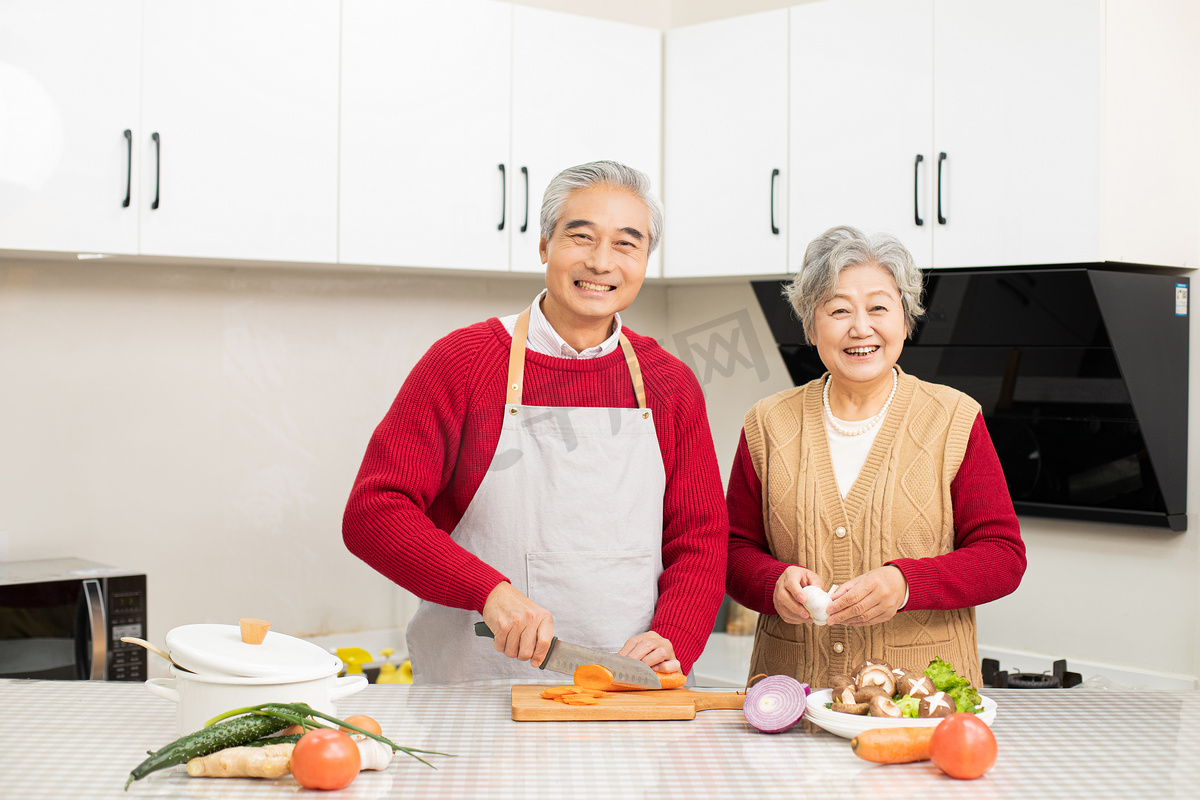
(871, 423)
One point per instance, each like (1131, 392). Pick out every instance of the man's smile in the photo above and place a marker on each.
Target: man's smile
(594, 287)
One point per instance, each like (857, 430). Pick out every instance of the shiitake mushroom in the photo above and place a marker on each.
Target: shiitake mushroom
(883, 706)
(852, 708)
(838, 681)
(935, 705)
(845, 695)
(876, 674)
(866, 693)
(917, 685)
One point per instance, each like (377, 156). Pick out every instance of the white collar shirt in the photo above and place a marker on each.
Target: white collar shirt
(545, 340)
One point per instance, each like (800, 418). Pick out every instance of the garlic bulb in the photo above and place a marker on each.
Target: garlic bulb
(816, 601)
(373, 754)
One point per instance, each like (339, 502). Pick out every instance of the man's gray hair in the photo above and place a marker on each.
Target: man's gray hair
(838, 248)
(600, 173)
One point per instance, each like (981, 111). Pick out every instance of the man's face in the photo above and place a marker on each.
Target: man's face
(596, 258)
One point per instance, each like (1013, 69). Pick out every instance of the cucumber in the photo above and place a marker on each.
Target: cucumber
(230, 733)
(289, 739)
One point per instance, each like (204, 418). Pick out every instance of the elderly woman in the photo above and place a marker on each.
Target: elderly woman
(870, 480)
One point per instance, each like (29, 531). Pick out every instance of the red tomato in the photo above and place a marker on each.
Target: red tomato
(963, 746)
(364, 722)
(325, 759)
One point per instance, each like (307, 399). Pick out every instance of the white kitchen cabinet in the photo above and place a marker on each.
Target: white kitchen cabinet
(425, 154)
(243, 98)
(456, 115)
(976, 143)
(1069, 131)
(1017, 111)
(584, 89)
(980, 133)
(726, 168)
(861, 111)
(68, 171)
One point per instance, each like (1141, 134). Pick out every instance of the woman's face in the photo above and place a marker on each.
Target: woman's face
(860, 331)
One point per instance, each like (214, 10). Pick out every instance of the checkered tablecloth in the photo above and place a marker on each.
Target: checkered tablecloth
(79, 740)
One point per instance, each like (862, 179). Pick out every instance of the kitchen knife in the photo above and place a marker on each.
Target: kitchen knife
(564, 657)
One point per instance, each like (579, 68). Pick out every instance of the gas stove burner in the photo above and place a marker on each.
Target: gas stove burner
(996, 678)
(1033, 680)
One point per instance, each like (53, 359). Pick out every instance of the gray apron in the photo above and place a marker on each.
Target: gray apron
(571, 510)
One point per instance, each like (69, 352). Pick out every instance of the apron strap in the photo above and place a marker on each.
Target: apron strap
(516, 364)
(635, 371)
(516, 360)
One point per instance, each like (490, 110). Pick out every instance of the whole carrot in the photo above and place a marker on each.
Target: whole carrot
(892, 745)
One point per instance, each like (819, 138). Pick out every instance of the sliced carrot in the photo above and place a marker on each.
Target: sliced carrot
(554, 692)
(672, 680)
(892, 745)
(593, 676)
(580, 700)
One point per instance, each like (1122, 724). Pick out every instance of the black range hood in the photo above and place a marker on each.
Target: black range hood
(1082, 373)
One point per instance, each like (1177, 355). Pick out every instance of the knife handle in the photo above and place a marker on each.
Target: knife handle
(481, 629)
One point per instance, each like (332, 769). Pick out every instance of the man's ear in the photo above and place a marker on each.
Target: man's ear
(543, 249)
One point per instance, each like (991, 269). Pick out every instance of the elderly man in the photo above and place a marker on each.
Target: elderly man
(552, 471)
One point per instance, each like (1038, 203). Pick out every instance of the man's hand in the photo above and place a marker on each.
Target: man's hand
(653, 650)
(523, 629)
(869, 599)
(789, 594)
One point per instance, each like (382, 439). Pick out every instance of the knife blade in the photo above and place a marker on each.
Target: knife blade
(564, 657)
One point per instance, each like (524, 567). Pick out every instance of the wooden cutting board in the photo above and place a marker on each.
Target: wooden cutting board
(529, 706)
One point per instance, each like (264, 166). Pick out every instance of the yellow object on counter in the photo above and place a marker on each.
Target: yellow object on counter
(390, 673)
(353, 658)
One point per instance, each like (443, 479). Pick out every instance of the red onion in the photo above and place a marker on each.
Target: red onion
(776, 703)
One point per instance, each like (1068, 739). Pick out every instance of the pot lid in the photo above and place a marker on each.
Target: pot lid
(219, 649)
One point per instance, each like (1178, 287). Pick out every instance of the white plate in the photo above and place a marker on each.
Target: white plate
(850, 725)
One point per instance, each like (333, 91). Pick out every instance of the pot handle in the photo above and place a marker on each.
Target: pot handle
(347, 685)
(163, 687)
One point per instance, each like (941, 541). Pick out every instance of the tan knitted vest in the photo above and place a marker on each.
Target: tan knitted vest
(899, 507)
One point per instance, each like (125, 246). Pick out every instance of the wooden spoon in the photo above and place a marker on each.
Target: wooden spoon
(158, 651)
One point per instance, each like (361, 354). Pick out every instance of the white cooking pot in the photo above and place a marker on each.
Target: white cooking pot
(230, 674)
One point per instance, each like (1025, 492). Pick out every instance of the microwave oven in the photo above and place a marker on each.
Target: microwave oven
(63, 619)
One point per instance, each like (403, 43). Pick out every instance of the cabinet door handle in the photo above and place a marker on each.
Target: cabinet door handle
(941, 218)
(157, 165)
(503, 196)
(525, 225)
(774, 175)
(128, 165)
(916, 197)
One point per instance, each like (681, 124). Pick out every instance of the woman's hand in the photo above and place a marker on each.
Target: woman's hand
(522, 628)
(789, 594)
(869, 599)
(652, 649)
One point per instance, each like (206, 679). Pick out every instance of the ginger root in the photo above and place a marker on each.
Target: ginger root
(268, 761)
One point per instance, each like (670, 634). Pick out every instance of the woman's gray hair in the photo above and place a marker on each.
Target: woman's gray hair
(600, 173)
(838, 248)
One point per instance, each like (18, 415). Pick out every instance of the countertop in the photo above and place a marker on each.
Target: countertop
(78, 740)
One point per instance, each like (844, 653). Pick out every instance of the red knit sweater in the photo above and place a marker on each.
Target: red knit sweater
(987, 562)
(432, 449)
